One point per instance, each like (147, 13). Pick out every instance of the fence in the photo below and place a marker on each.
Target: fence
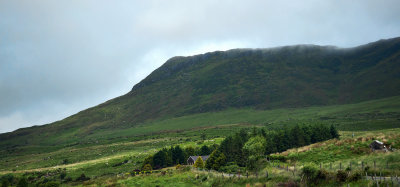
(380, 173)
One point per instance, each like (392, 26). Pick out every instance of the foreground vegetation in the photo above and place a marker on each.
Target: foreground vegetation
(113, 159)
(120, 170)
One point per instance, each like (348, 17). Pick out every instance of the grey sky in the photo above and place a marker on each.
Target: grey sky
(60, 57)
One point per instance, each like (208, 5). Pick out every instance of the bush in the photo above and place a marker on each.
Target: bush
(22, 182)
(5, 183)
(341, 176)
(52, 184)
(355, 176)
(186, 168)
(232, 168)
(278, 157)
(68, 179)
(321, 175)
(63, 174)
(309, 173)
(82, 178)
(147, 168)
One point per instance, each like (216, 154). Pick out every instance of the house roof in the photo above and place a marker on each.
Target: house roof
(202, 157)
(378, 142)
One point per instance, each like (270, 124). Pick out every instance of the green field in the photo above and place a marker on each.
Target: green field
(106, 156)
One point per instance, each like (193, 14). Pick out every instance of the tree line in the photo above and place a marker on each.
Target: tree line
(174, 155)
(246, 147)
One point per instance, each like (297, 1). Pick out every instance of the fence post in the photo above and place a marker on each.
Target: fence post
(362, 165)
(320, 165)
(391, 179)
(267, 174)
(247, 175)
(287, 167)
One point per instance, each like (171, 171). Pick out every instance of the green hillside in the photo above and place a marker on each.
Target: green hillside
(201, 100)
(241, 85)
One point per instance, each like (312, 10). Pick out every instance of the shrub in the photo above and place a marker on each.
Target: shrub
(147, 168)
(68, 179)
(355, 176)
(82, 178)
(278, 157)
(63, 174)
(321, 175)
(232, 168)
(52, 184)
(309, 173)
(22, 182)
(186, 168)
(5, 183)
(341, 176)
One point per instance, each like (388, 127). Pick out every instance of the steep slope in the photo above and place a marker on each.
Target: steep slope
(282, 77)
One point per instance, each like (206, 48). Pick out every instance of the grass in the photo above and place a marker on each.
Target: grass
(103, 172)
(336, 154)
(97, 154)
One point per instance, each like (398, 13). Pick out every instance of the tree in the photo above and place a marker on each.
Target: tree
(255, 148)
(199, 163)
(189, 151)
(216, 160)
(221, 161)
(297, 135)
(160, 159)
(203, 136)
(334, 132)
(178, 155)
(204, 150)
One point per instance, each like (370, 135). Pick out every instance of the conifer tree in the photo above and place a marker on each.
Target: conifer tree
(334, 132)
(199, 163)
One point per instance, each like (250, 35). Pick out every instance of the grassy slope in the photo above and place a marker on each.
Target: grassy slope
(347, 149)
(377, 114)
(235, 80)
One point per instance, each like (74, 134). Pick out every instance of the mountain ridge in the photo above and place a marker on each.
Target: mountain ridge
(280, 77)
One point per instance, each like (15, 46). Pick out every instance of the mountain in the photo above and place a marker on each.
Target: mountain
(262, 79)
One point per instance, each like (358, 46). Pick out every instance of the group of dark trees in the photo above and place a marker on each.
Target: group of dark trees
(176, 155)
(245, 147)
(298, 136)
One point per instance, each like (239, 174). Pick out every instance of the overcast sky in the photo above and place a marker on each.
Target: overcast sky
(60, 57)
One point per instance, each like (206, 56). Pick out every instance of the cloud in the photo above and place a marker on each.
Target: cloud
(57, 58)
